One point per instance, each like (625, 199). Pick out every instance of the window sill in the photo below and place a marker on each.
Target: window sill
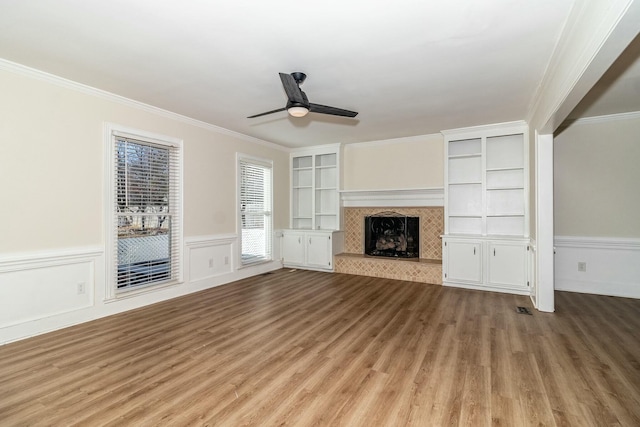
(123, 295)
(254, 263)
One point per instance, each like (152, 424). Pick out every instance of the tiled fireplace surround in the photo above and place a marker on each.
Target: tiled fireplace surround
(428, 269)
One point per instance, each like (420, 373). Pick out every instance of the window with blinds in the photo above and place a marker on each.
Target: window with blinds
(255, 210)
(146, 213)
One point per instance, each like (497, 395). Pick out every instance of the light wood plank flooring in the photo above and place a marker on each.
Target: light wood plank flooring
(315, 349)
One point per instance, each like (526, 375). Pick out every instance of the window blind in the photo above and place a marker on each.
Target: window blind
(255, 210)
(146, 213)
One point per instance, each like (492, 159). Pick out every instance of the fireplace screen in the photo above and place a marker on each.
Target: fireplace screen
(390, 234)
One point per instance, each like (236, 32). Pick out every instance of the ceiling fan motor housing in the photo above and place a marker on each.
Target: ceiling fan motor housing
(299, 77)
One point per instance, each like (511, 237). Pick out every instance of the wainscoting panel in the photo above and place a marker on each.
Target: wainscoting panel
(43, 292)
(36, 286)
(604, 266)
(209, 257)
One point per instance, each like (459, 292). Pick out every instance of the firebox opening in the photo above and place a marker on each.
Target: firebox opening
(389, 234)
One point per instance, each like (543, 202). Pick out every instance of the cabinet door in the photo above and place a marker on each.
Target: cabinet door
(507, 264)
(293, 248)
(319, 250)
(463, 262)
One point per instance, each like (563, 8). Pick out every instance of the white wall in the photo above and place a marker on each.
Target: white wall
(403, 163)
(51, 169)
(597, 205)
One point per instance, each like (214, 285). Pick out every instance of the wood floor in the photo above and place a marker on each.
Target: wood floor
(308, 348)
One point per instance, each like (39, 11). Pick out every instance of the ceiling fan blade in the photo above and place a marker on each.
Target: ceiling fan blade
(325, 109)
(291, 88)
(268, 112)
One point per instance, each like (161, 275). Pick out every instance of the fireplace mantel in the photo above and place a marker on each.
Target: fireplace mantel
(417, 197)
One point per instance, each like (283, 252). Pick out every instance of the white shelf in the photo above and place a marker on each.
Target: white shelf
(466, 156)
(315, 200)
(466, 183)
(486, 181)
(504, 169)
(504, 188)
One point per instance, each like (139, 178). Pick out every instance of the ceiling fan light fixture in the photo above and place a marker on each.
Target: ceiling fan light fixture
(298, 111)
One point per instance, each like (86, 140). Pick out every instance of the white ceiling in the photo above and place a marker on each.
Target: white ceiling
(409, 67)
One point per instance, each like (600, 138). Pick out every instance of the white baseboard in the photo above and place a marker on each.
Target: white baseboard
(487, 288)
(41, 288)
(612, 265)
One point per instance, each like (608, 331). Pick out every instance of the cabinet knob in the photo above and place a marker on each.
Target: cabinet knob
(299, 240)
(494, 252)
(474, 251)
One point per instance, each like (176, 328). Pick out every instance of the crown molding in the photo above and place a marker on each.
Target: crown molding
(488, 130)
(606, 118)
(29, 72)
(406, 139)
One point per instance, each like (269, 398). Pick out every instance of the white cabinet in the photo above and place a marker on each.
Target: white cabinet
(485, 245)
(319, 252)
(293, 247)
(311, 249)
(463, 261)
(315, 188)
(507, 264)
(489, 264)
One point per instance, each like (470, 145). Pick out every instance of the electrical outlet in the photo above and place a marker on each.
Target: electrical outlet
(210, 262)
(81, 288)
(582, 266)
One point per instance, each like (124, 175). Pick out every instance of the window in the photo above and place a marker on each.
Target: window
(145, 219)
(254, 187)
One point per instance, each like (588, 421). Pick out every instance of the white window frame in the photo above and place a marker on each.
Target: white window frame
(110, 229)
(267, 164)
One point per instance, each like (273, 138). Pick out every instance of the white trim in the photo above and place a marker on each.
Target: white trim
(412, 197)
(109, 131)
(99, 93)
(26, 260)
(634, 115)
(519, 126)
(490, 288)
(406, 139)
(532, 278)
(316, 149)
(614, 243)
(218, 239)
(266, 163)
(544, 285)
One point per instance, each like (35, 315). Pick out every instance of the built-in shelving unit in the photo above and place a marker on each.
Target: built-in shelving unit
(314, 236)
(486, 207)
(301, 192)
(315, 186)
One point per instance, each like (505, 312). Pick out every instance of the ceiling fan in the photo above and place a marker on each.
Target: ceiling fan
(298, 104)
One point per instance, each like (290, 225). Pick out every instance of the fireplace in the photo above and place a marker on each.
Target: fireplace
(390, 234)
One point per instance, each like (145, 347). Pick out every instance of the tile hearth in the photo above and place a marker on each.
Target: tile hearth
(428, 269)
